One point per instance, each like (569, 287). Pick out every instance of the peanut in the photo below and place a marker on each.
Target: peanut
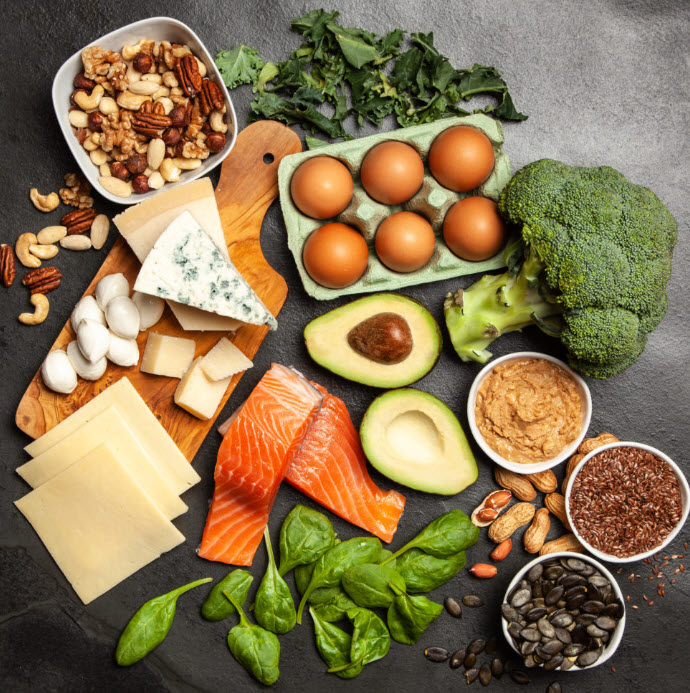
(589, 444)
(502, 550)
(555, 504)
(483, 570)
(519, 485)
(517, 516)
(490, 508)
(545, 481)
(569, 469)
(568, 542)
(537, 531)
(487, 515)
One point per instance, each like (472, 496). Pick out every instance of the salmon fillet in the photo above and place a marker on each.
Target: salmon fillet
(331, 468)
(252, 460)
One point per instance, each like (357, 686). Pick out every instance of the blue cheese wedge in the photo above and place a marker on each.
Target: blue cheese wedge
(186, 266)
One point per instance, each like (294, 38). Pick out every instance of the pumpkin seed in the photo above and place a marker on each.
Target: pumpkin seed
(453, 607)
(476, 646)
(535, 572)
(586, 659)
(457, 659)
(554, 595)
(553, 663)
(472, 600)
(545, 628)
(497, 668)
(470, 660)
(520, 598)
(592, 607)
(471, 675)
(491, 645)
(436, 654)
(509, 613)
(520, 677)
(554, 687)
(485, 675)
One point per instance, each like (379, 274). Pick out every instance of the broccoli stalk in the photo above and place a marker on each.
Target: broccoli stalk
(498, 304)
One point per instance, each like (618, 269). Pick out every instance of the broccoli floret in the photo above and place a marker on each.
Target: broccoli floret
(591, 267)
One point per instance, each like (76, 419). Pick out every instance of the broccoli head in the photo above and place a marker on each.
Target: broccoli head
(591, 267)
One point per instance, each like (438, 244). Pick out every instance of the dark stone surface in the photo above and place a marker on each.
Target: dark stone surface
(604, 82)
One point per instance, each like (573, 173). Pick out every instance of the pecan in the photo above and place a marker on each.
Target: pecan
(42, 280)
(8, 270)
(151, 124)
(79, 220)
(158, 108)
(187, 71)
(210, 96)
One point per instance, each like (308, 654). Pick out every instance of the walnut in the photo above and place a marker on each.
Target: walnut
(77, 192)
(104, 66)
(196, 122)
(117, 133)
(195, 150)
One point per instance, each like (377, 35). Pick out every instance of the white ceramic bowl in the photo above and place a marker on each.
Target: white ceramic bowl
(518, 467)
(158, 29)
(617, 634)
(684, 496)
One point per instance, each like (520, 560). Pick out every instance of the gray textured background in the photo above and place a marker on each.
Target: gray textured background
(604, 82)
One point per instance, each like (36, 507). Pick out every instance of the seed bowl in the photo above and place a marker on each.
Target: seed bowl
(684, 495)
(519, 467)
(615, 636)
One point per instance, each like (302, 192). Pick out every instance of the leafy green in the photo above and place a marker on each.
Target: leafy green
(217, 607)
(240, 65)
(335, 608)
(423, 573)
(368, 584)
(332, 642)
(273, 606)
(305, 536)
(149, 625)
(409, 617)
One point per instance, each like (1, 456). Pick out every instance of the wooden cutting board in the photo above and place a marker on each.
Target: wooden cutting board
(248, 185)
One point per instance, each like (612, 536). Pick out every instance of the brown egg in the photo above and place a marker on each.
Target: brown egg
(473, 229)
(392, 172)
(335, 255)
(461, 158)
(405, 242)
(321, 187)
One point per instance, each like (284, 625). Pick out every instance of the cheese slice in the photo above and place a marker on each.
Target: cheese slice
(199, 395)
(97, 523)
(171, 463)
(224, 360)
(110, 427)
(185, 265)
(166, 355)
(142, 224)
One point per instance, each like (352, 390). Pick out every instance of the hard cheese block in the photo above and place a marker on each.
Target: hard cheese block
(224, 360)
(198, 394)
(110, 427)
(186, 266)
(142, 224)
(97, 523)
(165, 355)
(146, 427)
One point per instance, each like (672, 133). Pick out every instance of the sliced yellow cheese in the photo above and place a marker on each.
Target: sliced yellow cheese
(97, 523)
(199, 395)
(166, 355)
(142, 224)
(171, 463)
(108, 427)
(224, 360)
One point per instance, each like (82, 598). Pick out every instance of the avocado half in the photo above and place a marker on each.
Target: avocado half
(383, 340)
(415, 439)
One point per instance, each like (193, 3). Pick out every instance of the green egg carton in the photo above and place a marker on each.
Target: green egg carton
(365, 214)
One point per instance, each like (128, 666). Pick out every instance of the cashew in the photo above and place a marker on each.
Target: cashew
(99, 157)
(115, 186)
(24, 242)
(179, 51)
(108, 105)
(215, 120)
(202, 67)
(169, 171)
(89, 102)
(186, 164)
(145, 88)
(168, 105)
(41, 305)
(161, 93)
(44, 252)
(155, 153)
(170, 79)
(158, 79)
(76, 242)
(156, 181)
(132, 101)
(44, 203)
(51, 234)
(132, 75)
(128, 52)
(78, 119)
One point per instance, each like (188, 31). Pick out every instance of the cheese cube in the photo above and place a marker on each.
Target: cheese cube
(224, 360)
(198, 394)
(165, 355)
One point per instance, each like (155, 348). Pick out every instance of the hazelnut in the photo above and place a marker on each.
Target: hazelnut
(95, 121)
(215, 142)
(119, 170)
(72, 102)
(142, 62)
(171, 136)
(178, 115)
(81, 82)
(140, 183)
(136, 164)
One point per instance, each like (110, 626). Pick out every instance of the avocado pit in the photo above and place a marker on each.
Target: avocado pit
(384, 338)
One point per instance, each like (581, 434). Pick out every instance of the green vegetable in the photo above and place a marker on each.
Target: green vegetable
(444, 536)
(335, 608)
(273, 605)
(217, 607)
(385, 556)
(304, 537)
(409, 617)
(332, 642)
(423, 573)
(368, 584)
(356, 72)
(149, 625)
(255, 648)
(370, 641)
(303, 575)
(590, 266)
(331, 566)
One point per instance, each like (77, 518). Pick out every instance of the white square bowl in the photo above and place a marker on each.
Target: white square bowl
(157, 29)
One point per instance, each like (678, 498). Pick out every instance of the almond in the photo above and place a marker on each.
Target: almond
(518, 484)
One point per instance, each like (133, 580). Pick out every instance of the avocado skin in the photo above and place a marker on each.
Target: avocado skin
(326, 341)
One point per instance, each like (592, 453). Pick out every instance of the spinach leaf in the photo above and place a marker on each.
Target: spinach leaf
(320, 595)
(217, 607)
(149, 625)
(331, 566)
(444, 536)
(409, 617)
(255, 648)
(370, 641)
(273, 605)
(387, 558)
(241, 65)
(423, 573)
(332, 642)
(303, 575)
(336, 608)
(368, 584)
(305, 536)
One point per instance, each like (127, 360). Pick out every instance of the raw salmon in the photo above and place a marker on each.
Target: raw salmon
(331, 468)
(256, 451)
